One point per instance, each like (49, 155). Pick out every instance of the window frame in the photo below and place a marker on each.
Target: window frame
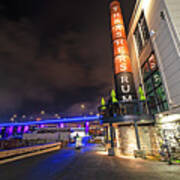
(144, 36)
(159, 103)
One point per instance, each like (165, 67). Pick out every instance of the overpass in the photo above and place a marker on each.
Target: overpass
(8, 129)
(53, 121)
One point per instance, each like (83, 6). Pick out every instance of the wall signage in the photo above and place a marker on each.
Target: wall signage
(122, 64)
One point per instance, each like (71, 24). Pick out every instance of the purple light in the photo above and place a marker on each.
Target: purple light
(26, 128)
(19, 129)
(7, 130)
(87, 127)
(42, 126)
(87, 124)
(62, 125)
(10, 130)
(0, 129)
(79, 126)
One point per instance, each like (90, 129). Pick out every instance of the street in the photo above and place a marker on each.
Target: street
(89, 163)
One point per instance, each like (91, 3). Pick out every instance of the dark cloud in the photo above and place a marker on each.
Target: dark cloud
(54, 55)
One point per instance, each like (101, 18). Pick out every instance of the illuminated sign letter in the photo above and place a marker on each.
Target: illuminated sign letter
(124, 79)
(129, 98)
(122, 63)
(126, 89)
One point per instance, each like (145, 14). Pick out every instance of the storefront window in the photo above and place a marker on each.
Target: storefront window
(160, 94)
(165, 104)
(151, 102)
(148, 85)
(146, 71)
(155, 93)
(152, 63)
(157, 78)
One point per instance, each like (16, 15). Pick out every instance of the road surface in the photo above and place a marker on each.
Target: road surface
(89, 163)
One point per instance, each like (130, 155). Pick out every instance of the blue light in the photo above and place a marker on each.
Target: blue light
(62, 120)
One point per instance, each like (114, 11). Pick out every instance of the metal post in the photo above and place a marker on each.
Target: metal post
(137, 135)
(111, 149)
(111, 132)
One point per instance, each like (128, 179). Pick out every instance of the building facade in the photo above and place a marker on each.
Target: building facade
(154, 47)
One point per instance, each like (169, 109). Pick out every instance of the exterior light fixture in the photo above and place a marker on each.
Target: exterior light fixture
(152, 33)
(160, 115)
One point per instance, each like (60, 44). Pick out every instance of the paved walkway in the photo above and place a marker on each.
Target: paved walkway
(89, 163)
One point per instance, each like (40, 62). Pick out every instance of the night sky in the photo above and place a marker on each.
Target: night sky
(55, 55)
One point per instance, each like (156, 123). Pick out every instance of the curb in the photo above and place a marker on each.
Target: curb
(7, 156)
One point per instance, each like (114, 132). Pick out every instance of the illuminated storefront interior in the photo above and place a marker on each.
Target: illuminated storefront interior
(155, 93)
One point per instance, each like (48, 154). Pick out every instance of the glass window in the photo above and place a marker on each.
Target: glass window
(141, 33)
(161, 94)
(151, 102)
(155, 93)
(165, 105)
(148, 85)
(146, 70)
(156, 78)
(144, 29)
(138, 40)
(152, 63)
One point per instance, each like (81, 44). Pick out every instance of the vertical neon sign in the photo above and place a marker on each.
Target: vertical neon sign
(122, 64)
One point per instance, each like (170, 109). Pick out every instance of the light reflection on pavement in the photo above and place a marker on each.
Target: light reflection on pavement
(88, 163)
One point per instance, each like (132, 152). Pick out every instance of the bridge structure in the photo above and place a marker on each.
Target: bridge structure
(9, 129)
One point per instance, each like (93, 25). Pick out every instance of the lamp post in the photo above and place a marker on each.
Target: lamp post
(137, 135)
(111, 149)
(104, 109)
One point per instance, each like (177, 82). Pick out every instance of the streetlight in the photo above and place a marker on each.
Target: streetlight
(15, 116)
(38, 119)
(82, 107)
(23, 116)
(12, 119)
(42, 112)
(56, 115)
(91, 113)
